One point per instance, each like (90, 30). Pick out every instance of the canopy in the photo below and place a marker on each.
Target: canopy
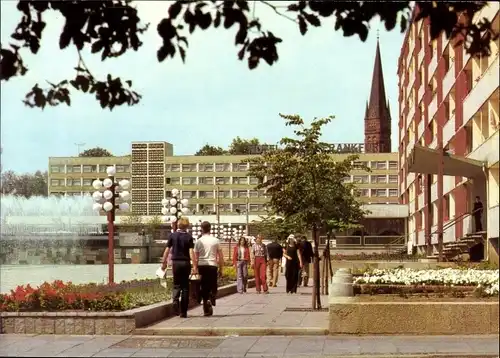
(424, 160)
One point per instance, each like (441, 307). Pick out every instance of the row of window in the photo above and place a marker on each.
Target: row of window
(212, 181)
(101, 168)
(392, 193)
(242, 167)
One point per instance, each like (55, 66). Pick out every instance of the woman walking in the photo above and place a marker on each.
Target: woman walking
(259, 264)
(293, 264)
(241, 258)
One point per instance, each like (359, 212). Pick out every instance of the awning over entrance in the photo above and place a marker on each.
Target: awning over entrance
(424, 160)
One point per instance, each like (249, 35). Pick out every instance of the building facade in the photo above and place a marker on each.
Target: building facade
(206, 181)
(448, 133)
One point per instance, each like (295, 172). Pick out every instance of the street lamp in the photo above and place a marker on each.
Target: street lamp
(174, 208)
(106, 201)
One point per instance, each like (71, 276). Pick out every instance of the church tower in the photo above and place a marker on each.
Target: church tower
(377, 114)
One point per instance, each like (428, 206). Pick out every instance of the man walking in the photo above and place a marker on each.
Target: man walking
(275, 253)
(180, 245)
(477, 212)
(210, 262)
(307, 255)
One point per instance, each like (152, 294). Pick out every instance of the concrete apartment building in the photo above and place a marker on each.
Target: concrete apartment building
(449, 102)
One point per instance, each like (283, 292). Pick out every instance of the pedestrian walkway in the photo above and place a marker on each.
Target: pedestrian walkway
(276, 346)
(251, 314)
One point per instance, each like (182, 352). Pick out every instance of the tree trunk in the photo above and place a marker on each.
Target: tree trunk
(316, 297)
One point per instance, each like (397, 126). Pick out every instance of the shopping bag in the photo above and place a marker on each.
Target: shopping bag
(195, 288)
(162, 275)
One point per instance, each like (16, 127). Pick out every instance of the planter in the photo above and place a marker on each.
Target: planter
(92, 323)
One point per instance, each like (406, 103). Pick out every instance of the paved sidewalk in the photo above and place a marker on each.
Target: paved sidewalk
(276, 346)
(251, 314)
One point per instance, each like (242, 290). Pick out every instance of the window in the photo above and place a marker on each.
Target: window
(189, 181)
(360, 179)
(346, 179)
(224, 193)
(208, 194)
(379, 165)
(74, 168)
(379, 192)
(393, 192)
(252, 165)
(188, 194)
(175, 167)
(225, 207)
(361, 192)
(206, 180)
(90, 169)
(222, 180)
(207, 208)
(57, 168)
(240, 194)
(240, 180)
(188, 167)
(446, 205)
(57, 182)
(240, 208)
(254, 193)
(262, 194)
(360, 164)
(102, 168)
(393, 164)
(173, 181)
(379, 179)
(73, 182)
(87, 182)
(240, 167)
(254, 207)
(222, 167)
(123, 168)
(393, 179)
(254, 181)
(206, 167)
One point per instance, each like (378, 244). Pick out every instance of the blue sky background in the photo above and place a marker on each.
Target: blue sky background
(212, 98)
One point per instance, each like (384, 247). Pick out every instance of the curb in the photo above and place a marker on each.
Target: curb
(232, 331)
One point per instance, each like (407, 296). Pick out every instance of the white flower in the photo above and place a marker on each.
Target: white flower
(488, 280)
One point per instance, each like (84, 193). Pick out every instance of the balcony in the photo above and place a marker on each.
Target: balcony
(484, 88)
(432, 107)
(401, 133)
(421, 201)
(433, 144)
(421, 237)
(444, 42)
(421, 91)
(487, 151)
(449, 79)
(411, 114)
(449, 130)
(434, 192)
(433, 64)
(420, 129)
(492, 226)
(448, 184)
(409, 147)
(411, 82)
(420, 57)
(410, 178)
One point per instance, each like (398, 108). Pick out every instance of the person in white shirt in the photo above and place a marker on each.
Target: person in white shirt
(210, 262)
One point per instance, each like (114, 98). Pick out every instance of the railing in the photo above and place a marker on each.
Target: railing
(364, 241)
(451, 223)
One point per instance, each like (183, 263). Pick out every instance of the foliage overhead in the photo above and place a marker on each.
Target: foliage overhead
(27, 185)
(272, 227)
(208, 149)
(304, 182)
(96, 152)
(111, 28)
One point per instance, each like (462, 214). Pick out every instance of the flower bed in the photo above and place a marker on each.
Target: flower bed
(484, 282)
(60, 296)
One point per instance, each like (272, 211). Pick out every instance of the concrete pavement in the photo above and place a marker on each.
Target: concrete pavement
(253, 314)
(275, 346)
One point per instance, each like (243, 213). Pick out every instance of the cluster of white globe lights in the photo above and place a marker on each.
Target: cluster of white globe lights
(102, 198)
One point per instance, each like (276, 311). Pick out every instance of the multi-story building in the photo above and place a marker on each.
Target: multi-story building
(448, 133)
(206, 181)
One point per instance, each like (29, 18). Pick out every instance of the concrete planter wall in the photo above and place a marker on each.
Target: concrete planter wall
(92, 323)
(350, 316)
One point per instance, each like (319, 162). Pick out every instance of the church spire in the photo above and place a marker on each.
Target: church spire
(377, 115)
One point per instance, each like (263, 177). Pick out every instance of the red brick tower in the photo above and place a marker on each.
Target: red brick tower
(377, 115)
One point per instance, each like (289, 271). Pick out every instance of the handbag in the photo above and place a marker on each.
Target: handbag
(195, 288)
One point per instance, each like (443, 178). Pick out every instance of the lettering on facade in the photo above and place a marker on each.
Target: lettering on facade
(349, 147)
(262, 148)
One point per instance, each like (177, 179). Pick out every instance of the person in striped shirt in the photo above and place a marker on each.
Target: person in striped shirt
(259, 264)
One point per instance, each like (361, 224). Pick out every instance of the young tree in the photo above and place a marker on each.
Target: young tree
(273, 227)
(306, 185)
(208, 149)
(96, 152)
(94, 25)
(26, 185)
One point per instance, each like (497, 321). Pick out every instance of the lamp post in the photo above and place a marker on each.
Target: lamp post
(106, 201)
(176, 207)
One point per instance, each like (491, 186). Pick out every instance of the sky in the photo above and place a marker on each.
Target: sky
(212, 98)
